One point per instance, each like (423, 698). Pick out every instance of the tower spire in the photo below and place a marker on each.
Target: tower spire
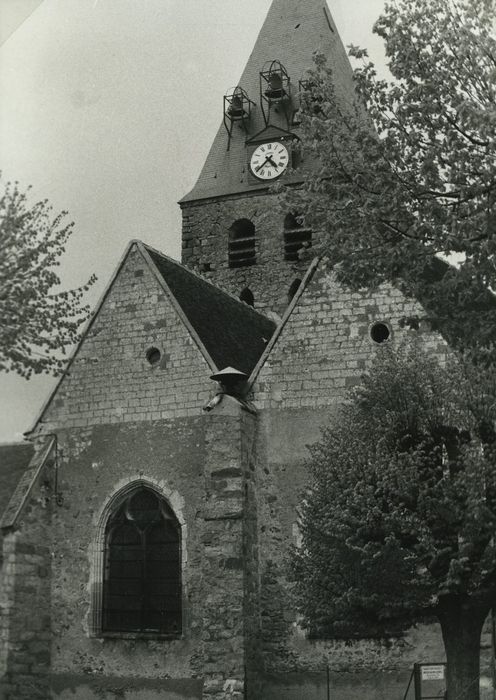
(292, 31)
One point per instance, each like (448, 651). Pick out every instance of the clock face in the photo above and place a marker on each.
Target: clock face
(269, 160)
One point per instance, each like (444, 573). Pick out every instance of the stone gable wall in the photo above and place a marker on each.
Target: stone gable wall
(326, 344)
(110, 379)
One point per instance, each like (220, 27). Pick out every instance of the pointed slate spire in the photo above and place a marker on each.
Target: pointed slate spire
(292, 31)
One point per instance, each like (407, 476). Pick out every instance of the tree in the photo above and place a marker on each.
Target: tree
(39, 322)
(407, 171)
(398, 523)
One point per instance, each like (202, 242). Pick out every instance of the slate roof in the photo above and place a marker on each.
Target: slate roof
(292, 31)
(233, 333)
(14, 460)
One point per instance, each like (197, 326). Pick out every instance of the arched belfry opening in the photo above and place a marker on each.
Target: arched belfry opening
(142, 566)
(247, 296)
(296, 236)
(242, 244)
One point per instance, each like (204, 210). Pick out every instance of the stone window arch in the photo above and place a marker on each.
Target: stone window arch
(296, 236)
(241, 246)
(138, 586)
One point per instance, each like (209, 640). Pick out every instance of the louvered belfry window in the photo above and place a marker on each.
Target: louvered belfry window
(296, 236)
(142, 580)
(242, 244)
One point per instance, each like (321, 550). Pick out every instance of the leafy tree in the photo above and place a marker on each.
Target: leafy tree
(38, 322)
(407, 172)
(398, 523)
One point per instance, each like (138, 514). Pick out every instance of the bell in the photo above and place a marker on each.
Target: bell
(275, 90)
(236, 110)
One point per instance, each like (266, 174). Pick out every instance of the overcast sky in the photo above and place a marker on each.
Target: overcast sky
(108, 108)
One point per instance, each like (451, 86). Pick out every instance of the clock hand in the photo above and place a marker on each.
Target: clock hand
(263, 164)
(268, 159)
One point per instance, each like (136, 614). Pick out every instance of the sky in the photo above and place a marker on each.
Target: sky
(108, 109)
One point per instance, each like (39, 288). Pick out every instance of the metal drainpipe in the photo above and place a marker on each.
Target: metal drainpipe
(493, 639)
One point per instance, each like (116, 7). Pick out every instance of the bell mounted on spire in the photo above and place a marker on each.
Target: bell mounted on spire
(275, 90)
(292, 31)
(237, 108)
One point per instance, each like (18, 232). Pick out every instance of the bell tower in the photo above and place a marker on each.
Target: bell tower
(234, 231)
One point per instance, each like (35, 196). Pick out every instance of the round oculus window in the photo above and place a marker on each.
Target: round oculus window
(380, 333)
(153, 356)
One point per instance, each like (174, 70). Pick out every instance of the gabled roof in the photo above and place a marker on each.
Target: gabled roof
(232, 332)
(14, 460)
(227, 331)
(292, 31)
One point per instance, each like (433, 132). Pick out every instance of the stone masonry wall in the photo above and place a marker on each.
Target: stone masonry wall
(230, 431)
(96, 463)
(198, 464)
(321, 353)
(326, 344)
(25, 622)
(120, 420)
(205, 248)
(110, 379)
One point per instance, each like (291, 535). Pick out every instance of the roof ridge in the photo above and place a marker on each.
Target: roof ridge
(243, 304)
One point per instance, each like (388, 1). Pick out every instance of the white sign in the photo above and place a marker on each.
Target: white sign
(432, 673)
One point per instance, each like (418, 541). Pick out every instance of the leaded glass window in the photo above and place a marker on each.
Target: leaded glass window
(142, 574)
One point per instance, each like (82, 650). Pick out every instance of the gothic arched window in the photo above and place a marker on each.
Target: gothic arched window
(296, 236)
(142, 567)
(242, 244)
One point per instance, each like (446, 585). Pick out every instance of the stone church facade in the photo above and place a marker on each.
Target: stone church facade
(147, 522)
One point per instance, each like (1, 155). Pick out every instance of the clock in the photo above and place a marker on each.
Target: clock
(269, 160)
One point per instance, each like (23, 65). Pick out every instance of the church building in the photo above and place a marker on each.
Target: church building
(146, 523)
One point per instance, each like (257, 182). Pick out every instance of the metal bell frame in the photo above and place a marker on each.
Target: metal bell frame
(275, 90)
(237, 108)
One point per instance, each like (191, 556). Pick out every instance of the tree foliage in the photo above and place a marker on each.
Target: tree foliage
(398, 523)
(407, 172)
(39, 321)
